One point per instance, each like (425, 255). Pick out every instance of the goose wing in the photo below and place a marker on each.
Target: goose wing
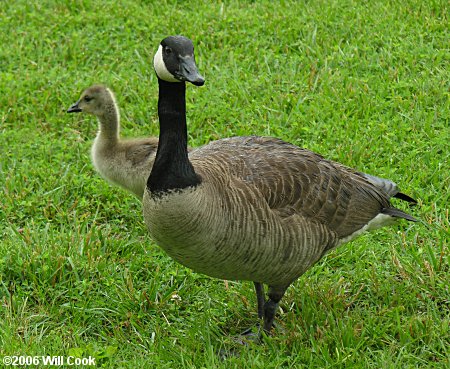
(295, 181)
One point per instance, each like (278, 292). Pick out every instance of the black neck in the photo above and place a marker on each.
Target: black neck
(172, 169)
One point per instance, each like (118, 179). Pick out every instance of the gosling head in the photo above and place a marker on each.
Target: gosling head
(175, 62)
(95, 100)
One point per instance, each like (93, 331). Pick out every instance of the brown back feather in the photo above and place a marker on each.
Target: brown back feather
(295, 181)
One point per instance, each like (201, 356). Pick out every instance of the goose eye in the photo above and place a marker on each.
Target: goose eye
(168, 50)
(87, 98)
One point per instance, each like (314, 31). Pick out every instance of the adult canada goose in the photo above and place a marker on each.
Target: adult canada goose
(250, 208)
(126, 163)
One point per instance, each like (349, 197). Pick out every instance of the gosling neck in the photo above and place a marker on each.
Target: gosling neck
(109, 124)
(172, 169)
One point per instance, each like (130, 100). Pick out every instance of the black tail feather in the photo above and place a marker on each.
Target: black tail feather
(396, 213)
(404, 197)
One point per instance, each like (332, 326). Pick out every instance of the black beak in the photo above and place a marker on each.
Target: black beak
(74, 108)
(189, 72)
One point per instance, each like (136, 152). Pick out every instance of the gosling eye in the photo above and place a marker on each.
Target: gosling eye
(88, 98)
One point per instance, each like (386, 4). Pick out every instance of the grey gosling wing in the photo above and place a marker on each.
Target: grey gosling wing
(249, 208)
(142, 151)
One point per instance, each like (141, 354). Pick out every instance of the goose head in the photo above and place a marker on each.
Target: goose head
(175, 62)
(96, 100)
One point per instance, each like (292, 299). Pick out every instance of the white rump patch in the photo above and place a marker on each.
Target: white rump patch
(160, 67)
(379, 221)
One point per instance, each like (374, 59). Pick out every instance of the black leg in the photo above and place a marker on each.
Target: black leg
(271, 306)
(259, 288)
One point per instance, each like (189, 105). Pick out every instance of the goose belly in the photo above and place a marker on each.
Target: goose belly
(235, 246)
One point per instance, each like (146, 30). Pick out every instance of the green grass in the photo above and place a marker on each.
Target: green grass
(365, 83)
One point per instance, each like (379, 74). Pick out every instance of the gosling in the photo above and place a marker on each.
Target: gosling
(123, 162)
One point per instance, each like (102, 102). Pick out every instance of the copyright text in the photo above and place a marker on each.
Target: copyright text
(48, 360)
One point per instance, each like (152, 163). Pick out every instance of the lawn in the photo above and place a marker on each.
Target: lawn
(365, 83)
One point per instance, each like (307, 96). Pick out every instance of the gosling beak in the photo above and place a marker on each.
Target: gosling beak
(74, 108)
(189, 72)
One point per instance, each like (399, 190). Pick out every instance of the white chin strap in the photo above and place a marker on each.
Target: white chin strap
(161, 69)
